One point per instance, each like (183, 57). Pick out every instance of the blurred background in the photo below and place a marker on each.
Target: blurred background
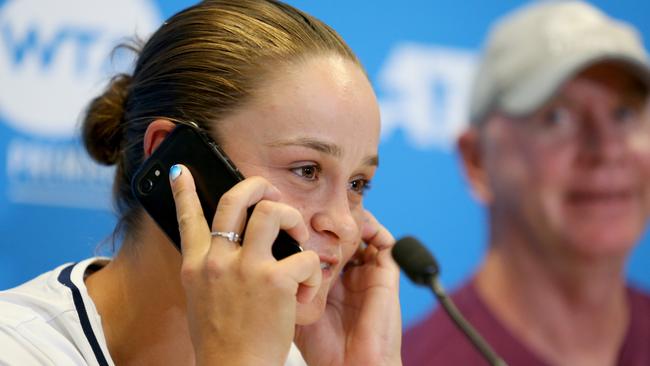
(420, 55)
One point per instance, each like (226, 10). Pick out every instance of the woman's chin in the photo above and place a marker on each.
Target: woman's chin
(310, 312)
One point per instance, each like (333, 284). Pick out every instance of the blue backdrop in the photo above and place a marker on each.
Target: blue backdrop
(420, 55)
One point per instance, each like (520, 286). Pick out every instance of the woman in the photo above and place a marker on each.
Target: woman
(288, 101)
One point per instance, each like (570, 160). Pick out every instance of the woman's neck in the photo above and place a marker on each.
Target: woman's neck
(141, 302)
(570, 312)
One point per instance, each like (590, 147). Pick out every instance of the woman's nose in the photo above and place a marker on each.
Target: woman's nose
(335, 218)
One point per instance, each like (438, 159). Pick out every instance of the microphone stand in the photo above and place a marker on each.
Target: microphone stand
(477, 341)
(421, 267)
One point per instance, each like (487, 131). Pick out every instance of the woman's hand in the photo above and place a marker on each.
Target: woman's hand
(362, 321)
(241, 302)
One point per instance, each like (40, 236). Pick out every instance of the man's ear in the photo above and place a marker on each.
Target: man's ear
(473, 160)
(155, 134)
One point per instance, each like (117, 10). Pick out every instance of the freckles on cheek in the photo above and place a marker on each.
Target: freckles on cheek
(349, 249)
(360, 221)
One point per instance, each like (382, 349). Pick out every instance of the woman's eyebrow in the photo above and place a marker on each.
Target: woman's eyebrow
(311, 143)
(372, 161)
(323, 147)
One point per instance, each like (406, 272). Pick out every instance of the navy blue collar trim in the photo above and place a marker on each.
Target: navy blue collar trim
(64, 278)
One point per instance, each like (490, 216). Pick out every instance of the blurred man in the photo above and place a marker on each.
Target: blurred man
(559, 152)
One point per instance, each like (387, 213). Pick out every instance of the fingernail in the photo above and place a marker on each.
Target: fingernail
(175, 172)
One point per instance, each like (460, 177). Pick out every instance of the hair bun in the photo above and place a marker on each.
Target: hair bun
(102, 129)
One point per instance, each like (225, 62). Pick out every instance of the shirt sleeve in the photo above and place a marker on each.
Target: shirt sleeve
(21, 346)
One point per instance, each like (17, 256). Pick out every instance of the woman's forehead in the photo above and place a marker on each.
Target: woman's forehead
(322, 92)
(328, 100)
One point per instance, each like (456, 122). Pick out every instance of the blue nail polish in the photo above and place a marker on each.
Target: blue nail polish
(174, 172)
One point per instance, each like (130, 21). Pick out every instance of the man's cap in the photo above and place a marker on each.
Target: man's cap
(530, 53)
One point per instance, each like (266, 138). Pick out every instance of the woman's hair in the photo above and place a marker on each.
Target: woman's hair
(201, 64)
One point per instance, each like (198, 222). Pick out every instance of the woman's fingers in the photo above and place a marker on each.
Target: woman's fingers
(231, 213)
(191, 221)
(241, 291)
(231, 210)
(375, 234)
(372, 264)
(304, 269)
(265, 222)
(376, 240)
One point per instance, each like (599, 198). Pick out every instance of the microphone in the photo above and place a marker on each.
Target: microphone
(422, 269)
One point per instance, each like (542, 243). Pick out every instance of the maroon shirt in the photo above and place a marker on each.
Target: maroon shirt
(437, 341)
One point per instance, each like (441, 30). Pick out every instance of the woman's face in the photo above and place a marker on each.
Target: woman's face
(312, 130)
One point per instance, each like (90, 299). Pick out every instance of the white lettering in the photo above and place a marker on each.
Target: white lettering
(425, 93)
(56, 174)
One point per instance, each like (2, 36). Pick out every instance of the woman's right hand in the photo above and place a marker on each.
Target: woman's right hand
(241, 302)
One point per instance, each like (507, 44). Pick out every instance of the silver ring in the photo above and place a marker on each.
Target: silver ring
(230, 235)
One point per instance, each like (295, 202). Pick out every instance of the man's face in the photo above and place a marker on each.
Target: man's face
(574, 177)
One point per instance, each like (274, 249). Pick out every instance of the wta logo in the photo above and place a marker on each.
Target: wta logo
(54, 56)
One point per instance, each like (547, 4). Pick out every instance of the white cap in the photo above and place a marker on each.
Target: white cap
(532, 52)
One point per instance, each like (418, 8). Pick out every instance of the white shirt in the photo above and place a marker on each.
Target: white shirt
(51, 320)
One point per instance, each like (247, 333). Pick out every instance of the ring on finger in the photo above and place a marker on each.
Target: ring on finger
(229, 235)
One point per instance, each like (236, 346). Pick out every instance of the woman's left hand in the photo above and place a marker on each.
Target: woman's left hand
(362, 320)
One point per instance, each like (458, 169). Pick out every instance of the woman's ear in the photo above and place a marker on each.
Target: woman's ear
(471, 153)
(155, 134)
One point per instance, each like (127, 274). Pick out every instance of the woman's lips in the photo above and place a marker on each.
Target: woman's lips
(327, 264)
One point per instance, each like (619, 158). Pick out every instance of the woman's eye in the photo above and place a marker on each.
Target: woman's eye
(360, 186)
(309, 172)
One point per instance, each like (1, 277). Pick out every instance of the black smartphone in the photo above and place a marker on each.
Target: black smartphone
(213, 174)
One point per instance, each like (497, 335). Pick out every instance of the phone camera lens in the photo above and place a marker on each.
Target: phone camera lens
(146, 185)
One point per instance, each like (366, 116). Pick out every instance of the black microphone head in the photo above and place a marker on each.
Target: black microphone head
(415, 260)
